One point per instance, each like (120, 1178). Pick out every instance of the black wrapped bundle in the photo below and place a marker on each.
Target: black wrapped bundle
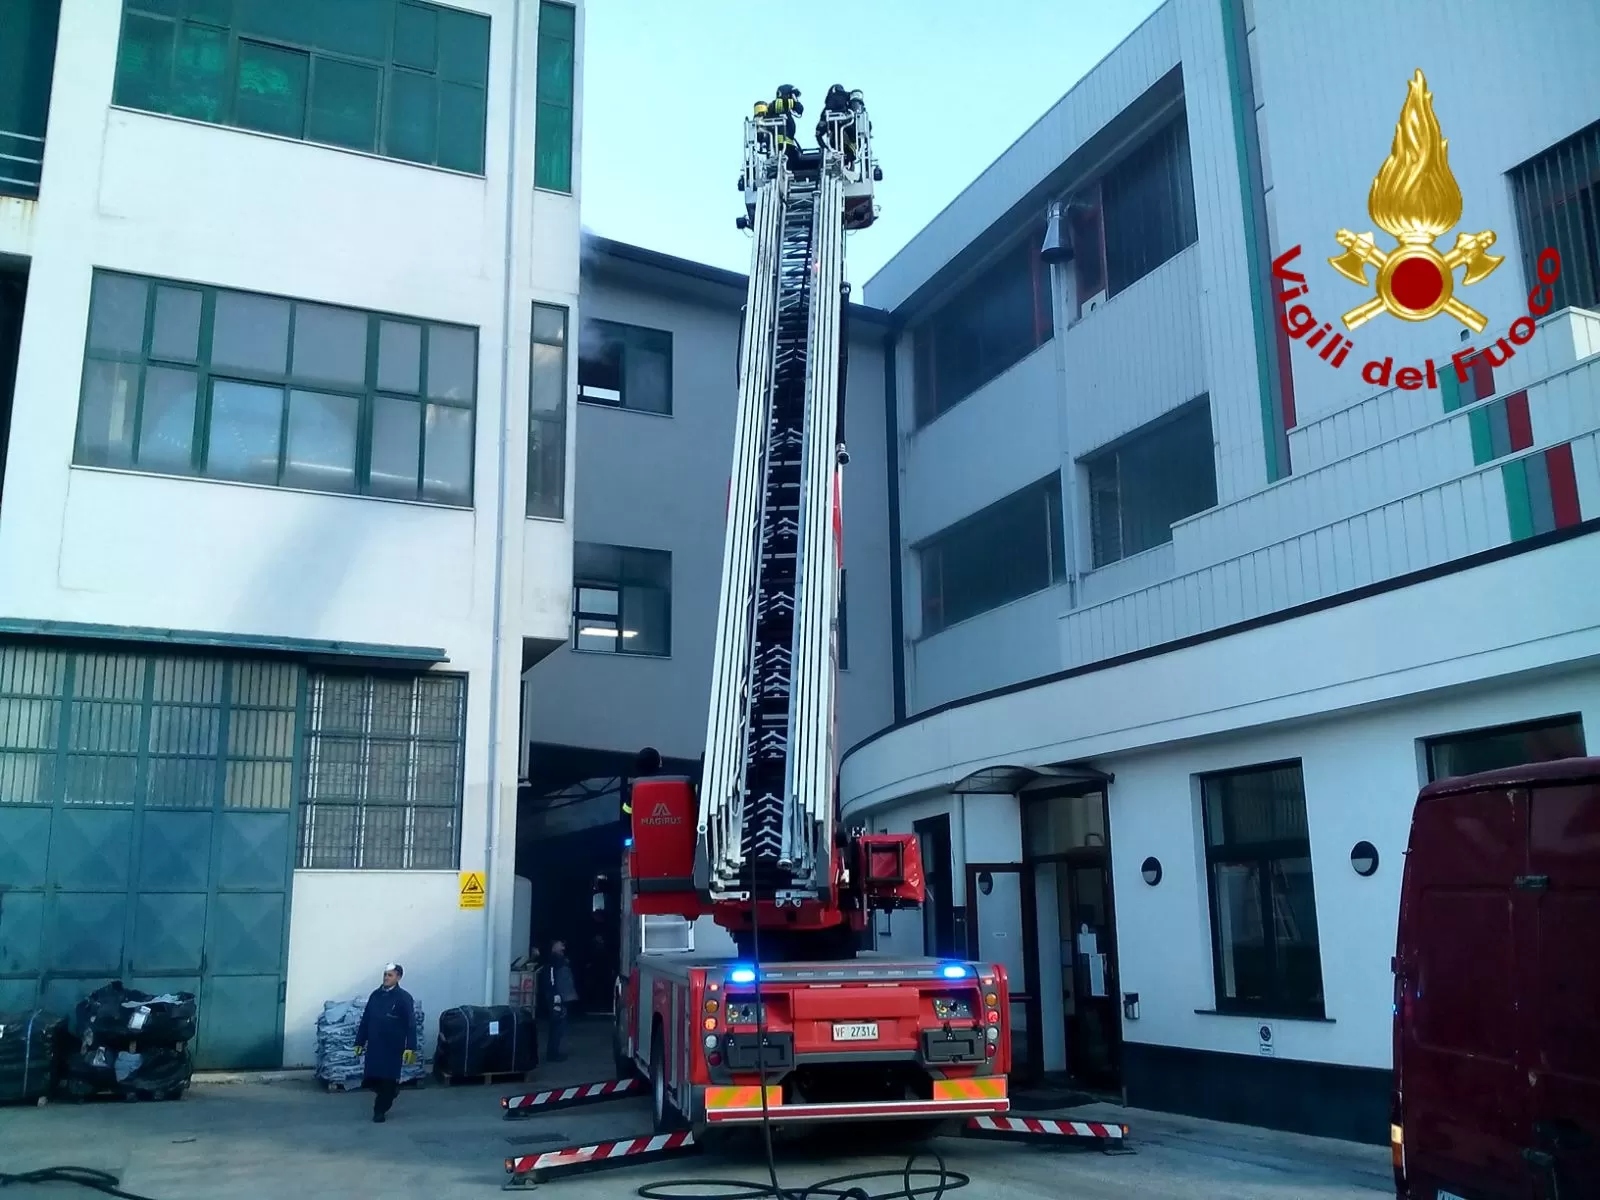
(154, 1071)
(84, 1072)
(27, 1054)
(486, 1041)
(115, 1015)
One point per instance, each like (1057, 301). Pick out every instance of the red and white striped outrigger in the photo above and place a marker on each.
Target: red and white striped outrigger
(531, 1104)
(528, 1169)
(1011, 1129)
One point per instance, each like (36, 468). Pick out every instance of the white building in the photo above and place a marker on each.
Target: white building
(1188, 614)
(273, 555)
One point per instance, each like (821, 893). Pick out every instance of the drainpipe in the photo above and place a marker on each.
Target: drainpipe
(491, 837)
(1057, 254)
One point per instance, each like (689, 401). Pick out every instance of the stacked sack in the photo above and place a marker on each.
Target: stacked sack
(337, 1063)
(496, 1040)
(131, 1043)
(27, 1053)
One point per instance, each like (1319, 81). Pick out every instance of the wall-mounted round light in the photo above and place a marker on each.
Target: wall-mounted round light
(985, 882)
(1364, 858)
(1150, 868)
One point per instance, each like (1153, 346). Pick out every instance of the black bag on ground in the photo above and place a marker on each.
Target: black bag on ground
(486, 1041)
(85, 1072)
(27, 1054)
(114, 1015)
(159, 1071)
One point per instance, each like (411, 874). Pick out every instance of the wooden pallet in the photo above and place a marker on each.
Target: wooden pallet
(496, 1077)
(357, 1083)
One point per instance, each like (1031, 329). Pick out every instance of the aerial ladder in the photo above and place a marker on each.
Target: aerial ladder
(797, 1027)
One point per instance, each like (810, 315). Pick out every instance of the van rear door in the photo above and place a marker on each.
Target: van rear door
(1463, 1097)
(1560, 998)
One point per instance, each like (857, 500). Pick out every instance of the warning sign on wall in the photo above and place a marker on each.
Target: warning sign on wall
(472, 889)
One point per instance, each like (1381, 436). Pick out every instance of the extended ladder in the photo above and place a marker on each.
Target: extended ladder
(766, 818)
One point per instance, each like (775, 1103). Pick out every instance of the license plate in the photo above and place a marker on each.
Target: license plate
(866, 1031)
(1444, 1195)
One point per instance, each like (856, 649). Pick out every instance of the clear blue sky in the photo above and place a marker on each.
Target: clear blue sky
(949, 83)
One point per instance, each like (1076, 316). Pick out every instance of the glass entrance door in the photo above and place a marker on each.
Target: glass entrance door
(1001, 903)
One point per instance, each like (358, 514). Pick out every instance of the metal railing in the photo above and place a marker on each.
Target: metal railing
(21, 162)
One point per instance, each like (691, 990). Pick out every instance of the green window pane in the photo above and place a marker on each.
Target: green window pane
(167, 8)
(250, 333)
(105, 422)
(461, 109)
(176, 334)
(558, 20)
(452, 363)
(116, 314)
(358, 27)
(200, 73)
(399, 356)
(215, 12)
(293, 21)
(416, 37)
(344, 104)
(447, 457)
(144, 63)
(555, 65)
(463, 47)
(396, 445)
(330, 345)
(166, 423)
(242, 443)
(270, 95)
(413, 117)
(321, 450)
(552, 148)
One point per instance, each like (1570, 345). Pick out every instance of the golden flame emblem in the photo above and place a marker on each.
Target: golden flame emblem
(1414, 199)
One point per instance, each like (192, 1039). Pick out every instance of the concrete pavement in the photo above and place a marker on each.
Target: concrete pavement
(287, 1138)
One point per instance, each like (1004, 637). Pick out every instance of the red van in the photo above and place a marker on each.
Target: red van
(1497, 988)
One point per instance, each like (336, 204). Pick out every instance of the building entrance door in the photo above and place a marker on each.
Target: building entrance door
(1000, 903)
(1068, 853)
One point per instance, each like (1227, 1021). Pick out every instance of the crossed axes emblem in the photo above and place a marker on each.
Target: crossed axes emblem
(1421, 269)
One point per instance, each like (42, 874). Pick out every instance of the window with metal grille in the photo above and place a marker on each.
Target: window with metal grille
(987, 326)
(114, 729)
(1143, 483)
(621, 599)
(547, 413)
(1558, 207)
(181, 379)
(625, 366)
(1009, 550)
(399, 78)
(1505, 746)
(1265, 953)
(383, 775)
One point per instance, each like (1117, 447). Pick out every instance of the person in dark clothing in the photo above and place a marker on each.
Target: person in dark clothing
(386, 1039)
(786, 105)
(838, 101)
(557, 993)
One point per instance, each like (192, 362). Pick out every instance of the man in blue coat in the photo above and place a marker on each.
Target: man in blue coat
(387, 1038)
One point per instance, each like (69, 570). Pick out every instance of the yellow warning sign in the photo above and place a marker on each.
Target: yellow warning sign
(471, 889)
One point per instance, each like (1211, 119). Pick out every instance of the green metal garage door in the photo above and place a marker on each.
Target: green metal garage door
(146, 834)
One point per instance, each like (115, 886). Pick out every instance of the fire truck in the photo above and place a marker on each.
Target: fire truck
(798, 1024)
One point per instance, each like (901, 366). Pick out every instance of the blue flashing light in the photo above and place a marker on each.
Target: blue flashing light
(627, 843)
(955, 971)
(741, 975)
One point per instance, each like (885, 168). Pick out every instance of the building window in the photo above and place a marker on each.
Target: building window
(986, 327)
(1157, 475)
(1263, 907)
(621, 599)
(625, 366)
(1009, 550)
(1136, 217)
(1505, 746)
(1558, 206)
(547, 413)
(399, 78)
(552, 133)
(844, 622)
(181, 379)
(383, 772)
